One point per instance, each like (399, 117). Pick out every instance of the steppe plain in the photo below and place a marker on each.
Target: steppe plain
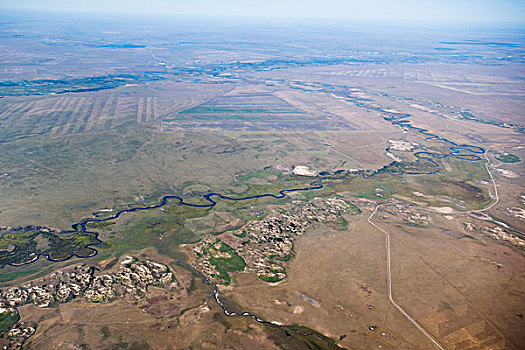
(103, 117)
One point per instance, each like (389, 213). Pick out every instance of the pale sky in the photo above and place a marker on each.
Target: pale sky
(454, 10)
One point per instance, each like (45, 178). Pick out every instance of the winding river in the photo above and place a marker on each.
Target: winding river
(81, 226)
(464, 152)
(459, 151)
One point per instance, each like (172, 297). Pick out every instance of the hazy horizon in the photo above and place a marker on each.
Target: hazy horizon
(381, 10)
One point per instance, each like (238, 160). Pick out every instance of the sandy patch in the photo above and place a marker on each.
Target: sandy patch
(518, 212)
(298, 310)
(397, 159)
(400, 145)
(507, 173)
(419, 194)
(303, 170)
(444, 210)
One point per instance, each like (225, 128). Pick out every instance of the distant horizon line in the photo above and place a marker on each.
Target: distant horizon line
(245, 18)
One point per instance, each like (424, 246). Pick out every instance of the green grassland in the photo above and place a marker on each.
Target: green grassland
(158, 228)
(8, 320)
(352, 208)
(225, 265)
(269, 279)
(20, 272)
(508, 158)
